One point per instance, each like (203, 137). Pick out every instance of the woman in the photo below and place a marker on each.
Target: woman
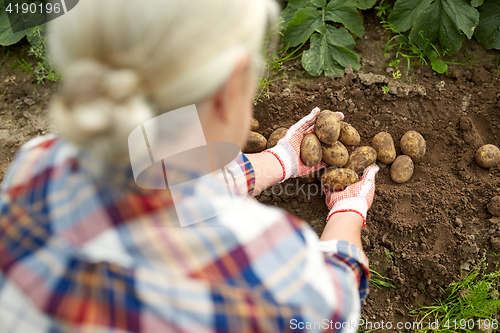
(83, 248)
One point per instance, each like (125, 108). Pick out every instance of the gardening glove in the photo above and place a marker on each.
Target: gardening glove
(287, 151)
(356, 198)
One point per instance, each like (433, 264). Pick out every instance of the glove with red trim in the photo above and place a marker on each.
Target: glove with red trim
(356, 198)
(287, 151)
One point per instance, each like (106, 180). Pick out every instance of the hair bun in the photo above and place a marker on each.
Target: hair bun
(99, 103)
(121, 84)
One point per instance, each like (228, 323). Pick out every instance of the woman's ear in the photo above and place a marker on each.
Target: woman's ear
(232, 92)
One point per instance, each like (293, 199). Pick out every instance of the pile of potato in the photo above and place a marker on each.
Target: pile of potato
(331, 142)
(257, 142)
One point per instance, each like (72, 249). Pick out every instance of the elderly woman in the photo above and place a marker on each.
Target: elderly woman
(85, 248)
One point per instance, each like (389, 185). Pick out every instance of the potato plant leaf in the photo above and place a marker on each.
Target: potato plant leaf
(345, 12)
(488, 31)
(293, 5)
(437, 65)
(476, 3)
(332, 50)
(7, 37)
(405, 12)
(365, 4)
(303, 25)
(446, 21)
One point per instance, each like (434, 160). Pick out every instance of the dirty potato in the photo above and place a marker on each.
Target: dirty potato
(413, 145)
(384, 146)
(310, 150)
(361, 158)
(488, 156)
(255, 143)
(335, 154)
(337, 179)
(327, 127)
(402, 169)
(255, 125)
(349, 136)
(275, 137)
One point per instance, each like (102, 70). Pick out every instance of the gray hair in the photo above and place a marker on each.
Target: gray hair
(127, 61)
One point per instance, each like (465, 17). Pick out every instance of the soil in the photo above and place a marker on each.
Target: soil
(421, 234)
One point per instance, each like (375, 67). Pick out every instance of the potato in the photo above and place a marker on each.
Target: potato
(488, 156)
(349, 136)
(275, 137)
(310, 150)
(384, 146)
(337, 179)
(255, 143)
(361, 158)
(311, 178)
(335, 154)
(413, 145)
(402, 169)
(327, 127)
(255, 125)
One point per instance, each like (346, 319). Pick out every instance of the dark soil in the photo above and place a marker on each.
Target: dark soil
(420, 233)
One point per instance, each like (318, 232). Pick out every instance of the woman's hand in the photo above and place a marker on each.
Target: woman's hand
(356, 198)
(287, 151)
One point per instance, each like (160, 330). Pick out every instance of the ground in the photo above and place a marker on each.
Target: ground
(422, 234)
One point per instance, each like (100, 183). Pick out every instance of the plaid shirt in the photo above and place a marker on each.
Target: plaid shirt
(80, 253)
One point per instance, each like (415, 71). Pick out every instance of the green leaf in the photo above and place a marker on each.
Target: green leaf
(439, 66)
(476, 3)
(319, 3)
(365, 4)
(304, 23)
(291, 8)
(22, 21)
(345, 12)
(488, 31)
(405, 12)
(445, 21)
(7, 37)
(332, 50)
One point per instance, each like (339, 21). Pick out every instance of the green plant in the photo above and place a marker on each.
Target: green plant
(331, 48)
(22, 65)
(470, 302)
(408, 51)
(383, 9)
(385, 89)
(498, 65)
(21, 24)
(44, 70)
(379, 281)
(274, 62)
(446, 21)
(488, 31)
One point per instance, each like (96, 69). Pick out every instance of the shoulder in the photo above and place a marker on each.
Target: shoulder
(37, 158)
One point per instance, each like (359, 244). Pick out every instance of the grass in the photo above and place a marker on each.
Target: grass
(274, 63)
(471, 302)
(383, 9)
(380, 281)
(22, 66)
